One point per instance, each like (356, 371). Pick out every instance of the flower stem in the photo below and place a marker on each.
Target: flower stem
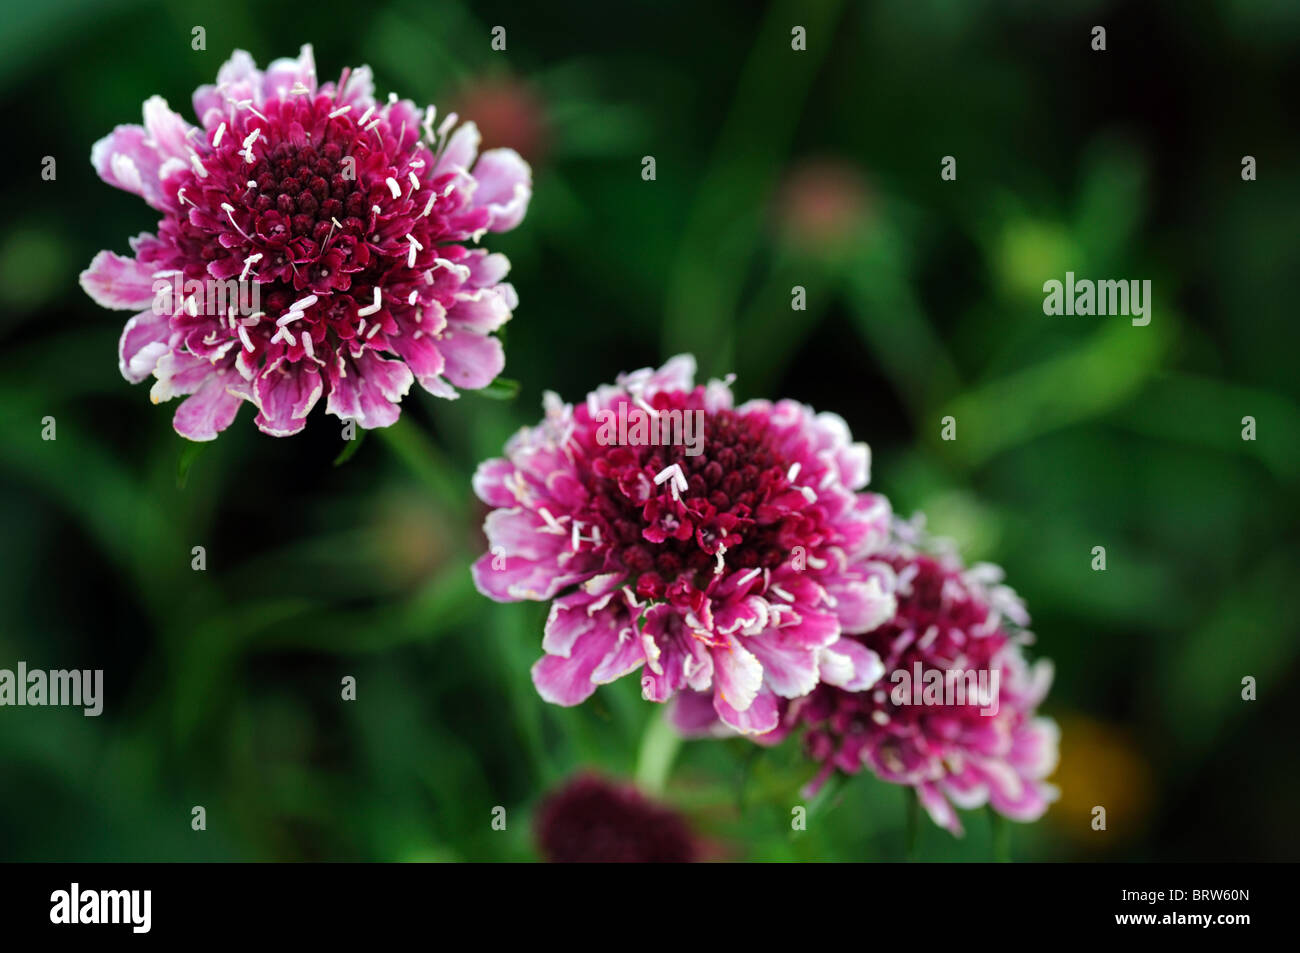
(659, 746)
(912, 827)
(1001, 837)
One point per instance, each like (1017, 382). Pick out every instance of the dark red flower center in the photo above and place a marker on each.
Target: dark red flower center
(736, 504)
(336, 215)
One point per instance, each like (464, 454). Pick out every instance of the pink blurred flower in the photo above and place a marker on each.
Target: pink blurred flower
(509, 113)
(348, 215)
(591, 820)
(989, 747)
(732, 567)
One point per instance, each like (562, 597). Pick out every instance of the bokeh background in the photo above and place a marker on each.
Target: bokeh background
(774, 169)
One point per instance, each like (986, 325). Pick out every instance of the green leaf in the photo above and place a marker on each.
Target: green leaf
(189, 453)
(503, 388)
(350, 448)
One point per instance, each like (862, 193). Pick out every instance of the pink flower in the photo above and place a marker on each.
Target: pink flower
(954, 717)
(342, 219)
(727, 555)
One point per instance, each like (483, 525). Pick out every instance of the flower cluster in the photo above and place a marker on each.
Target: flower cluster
(351, 217)
(758, 587)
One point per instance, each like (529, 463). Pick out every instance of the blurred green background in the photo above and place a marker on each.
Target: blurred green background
(774, 169)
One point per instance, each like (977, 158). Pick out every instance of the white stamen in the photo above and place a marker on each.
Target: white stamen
(366, 115)
(339, 112)
(198, 166)
(247, 151)
(243, 336)
(673, 472)
(248, 104)
(415, 246)
(429, 205)
(221, 131)
(248, 263)
(412, 297)
(415, 181)
(371, 308)
(230, 214)
(393, 187)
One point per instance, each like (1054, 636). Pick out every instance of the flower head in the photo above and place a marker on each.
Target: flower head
(954, 717)
(336, 222)
(591, 820)
(723, 549)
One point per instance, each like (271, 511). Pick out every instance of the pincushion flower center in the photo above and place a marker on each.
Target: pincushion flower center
(677, 522)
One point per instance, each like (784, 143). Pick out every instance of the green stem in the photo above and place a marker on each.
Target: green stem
(912, 828)
(659, 747)
(1001, 837)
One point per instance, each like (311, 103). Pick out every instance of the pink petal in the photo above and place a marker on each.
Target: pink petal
(567, 681)
(210, 410)
(116, 282)
(790, 670)
(850, 665)
(505, 185)
(760, 717)
(124, 161)
(284, 73)
(461, 149)
(473, 361)
(143, 342)
(737, 674)
(285, 395)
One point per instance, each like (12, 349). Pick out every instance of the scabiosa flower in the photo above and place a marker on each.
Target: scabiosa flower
(730, 567)
(982, 744)
(351, 218)
(591, 820)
